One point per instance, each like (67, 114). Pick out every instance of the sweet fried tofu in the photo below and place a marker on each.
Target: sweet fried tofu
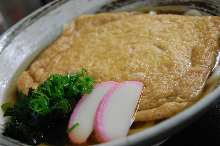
(172, 55)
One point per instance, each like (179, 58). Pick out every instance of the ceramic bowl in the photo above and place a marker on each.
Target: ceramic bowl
(25, 40)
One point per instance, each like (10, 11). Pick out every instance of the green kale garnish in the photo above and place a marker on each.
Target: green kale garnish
(42, 115)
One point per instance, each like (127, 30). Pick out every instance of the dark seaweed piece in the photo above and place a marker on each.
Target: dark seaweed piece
(42, 115)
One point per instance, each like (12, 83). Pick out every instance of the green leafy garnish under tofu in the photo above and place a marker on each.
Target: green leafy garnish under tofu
(42, 115)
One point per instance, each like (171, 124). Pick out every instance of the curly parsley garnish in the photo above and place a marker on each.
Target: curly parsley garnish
(42, 115)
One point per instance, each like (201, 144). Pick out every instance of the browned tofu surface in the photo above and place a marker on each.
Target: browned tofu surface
(172, 55)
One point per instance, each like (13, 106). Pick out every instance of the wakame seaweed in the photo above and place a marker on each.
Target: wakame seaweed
(42, 115)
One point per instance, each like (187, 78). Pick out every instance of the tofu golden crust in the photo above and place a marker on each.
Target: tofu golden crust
(172, 55)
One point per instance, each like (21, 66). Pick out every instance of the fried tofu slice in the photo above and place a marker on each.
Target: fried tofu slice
(172, 55)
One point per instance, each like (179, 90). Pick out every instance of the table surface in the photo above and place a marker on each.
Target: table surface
(204, 130)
